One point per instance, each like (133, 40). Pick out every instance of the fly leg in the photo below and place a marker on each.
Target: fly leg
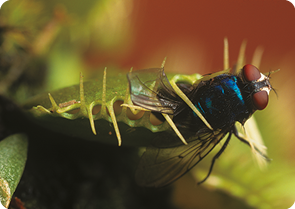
(217, 156)
(247, 141)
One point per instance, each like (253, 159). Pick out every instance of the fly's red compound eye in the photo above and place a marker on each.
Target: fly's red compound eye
(251, 73)
(260, 100)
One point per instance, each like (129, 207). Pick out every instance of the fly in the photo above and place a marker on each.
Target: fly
(222, 98)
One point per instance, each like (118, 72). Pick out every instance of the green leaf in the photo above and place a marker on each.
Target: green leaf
(13, 156)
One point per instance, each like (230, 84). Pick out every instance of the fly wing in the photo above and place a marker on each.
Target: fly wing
(161, 166)
(150, 88)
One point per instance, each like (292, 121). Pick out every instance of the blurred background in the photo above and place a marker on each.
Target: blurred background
(46, 44)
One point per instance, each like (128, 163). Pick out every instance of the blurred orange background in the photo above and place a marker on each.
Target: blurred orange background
(191, 34)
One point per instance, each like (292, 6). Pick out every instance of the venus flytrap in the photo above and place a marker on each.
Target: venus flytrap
(103, 110)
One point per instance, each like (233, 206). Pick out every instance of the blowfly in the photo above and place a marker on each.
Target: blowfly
(208, 111)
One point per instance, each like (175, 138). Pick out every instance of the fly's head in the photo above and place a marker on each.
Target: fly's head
(256, 87)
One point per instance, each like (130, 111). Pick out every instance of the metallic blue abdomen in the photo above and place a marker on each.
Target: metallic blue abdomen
(221, 102)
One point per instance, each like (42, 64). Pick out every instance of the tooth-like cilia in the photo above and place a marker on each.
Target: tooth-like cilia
(79, 102)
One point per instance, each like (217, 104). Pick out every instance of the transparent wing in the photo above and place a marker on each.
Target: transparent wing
(161, 166)
(150, 88)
